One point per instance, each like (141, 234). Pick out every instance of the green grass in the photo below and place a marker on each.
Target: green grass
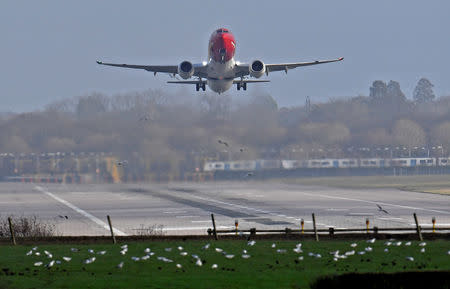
(264, 269)
(438, 184)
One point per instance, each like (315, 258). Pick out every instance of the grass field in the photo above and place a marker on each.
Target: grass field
(266, 267)
(438, 184)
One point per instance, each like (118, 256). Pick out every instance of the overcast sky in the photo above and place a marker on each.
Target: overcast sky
(48, 48)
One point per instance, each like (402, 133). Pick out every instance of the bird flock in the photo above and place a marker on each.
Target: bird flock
(362, 248)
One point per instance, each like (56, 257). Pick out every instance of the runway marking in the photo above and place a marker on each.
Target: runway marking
(372, 202)
(208, 221)
(389, 218)
(194, 228)
(360, 214)
(179, 217)
(277, 214)
(430, 225)
(324, 225)
(80, 211)
(174, 212)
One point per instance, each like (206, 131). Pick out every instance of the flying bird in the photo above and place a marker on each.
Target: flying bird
(145, 118)
(249, 174)
(380, 209)
(121, 163)
(223, 142)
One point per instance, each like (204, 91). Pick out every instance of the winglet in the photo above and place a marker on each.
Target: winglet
(99, 62)
(341, 58)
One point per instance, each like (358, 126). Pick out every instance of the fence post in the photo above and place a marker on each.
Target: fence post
(418, 227)
(11, 230)
(315, 228)
(214, 226)
(433, 220)
(331, 231)
(111, 229)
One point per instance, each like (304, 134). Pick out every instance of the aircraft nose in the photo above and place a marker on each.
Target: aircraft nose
(223, 49)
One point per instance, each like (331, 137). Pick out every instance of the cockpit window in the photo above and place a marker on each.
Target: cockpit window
(222, 31)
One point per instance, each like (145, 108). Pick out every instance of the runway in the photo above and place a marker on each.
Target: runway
(185, 208)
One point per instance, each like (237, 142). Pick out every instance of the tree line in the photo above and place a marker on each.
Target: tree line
(171, 133)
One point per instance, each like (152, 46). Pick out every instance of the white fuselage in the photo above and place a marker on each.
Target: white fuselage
(220, 75)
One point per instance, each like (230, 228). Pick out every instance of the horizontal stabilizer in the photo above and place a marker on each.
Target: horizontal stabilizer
(204, 81)
(250, 81)
(188, 82)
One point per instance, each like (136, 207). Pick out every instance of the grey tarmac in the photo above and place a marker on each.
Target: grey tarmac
(185, 208)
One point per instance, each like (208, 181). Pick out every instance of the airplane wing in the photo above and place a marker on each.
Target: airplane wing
(286, 66)
(243, 69)
(199, 69)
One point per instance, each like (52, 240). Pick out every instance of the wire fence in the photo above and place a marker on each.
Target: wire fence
(20, 228)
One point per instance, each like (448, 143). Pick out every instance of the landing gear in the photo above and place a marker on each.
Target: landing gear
(201, 85)
(241, 84)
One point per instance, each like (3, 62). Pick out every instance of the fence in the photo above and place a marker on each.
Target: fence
(331, 230)
(14, 229)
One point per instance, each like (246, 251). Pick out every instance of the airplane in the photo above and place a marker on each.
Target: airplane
(222, 70)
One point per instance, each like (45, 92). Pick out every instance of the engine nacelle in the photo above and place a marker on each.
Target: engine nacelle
(186, 69)
(257, 68)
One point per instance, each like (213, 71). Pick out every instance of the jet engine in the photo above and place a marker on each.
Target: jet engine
(257, 69)
(186, 69)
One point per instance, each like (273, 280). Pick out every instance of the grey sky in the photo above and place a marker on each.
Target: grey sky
(48, 48)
